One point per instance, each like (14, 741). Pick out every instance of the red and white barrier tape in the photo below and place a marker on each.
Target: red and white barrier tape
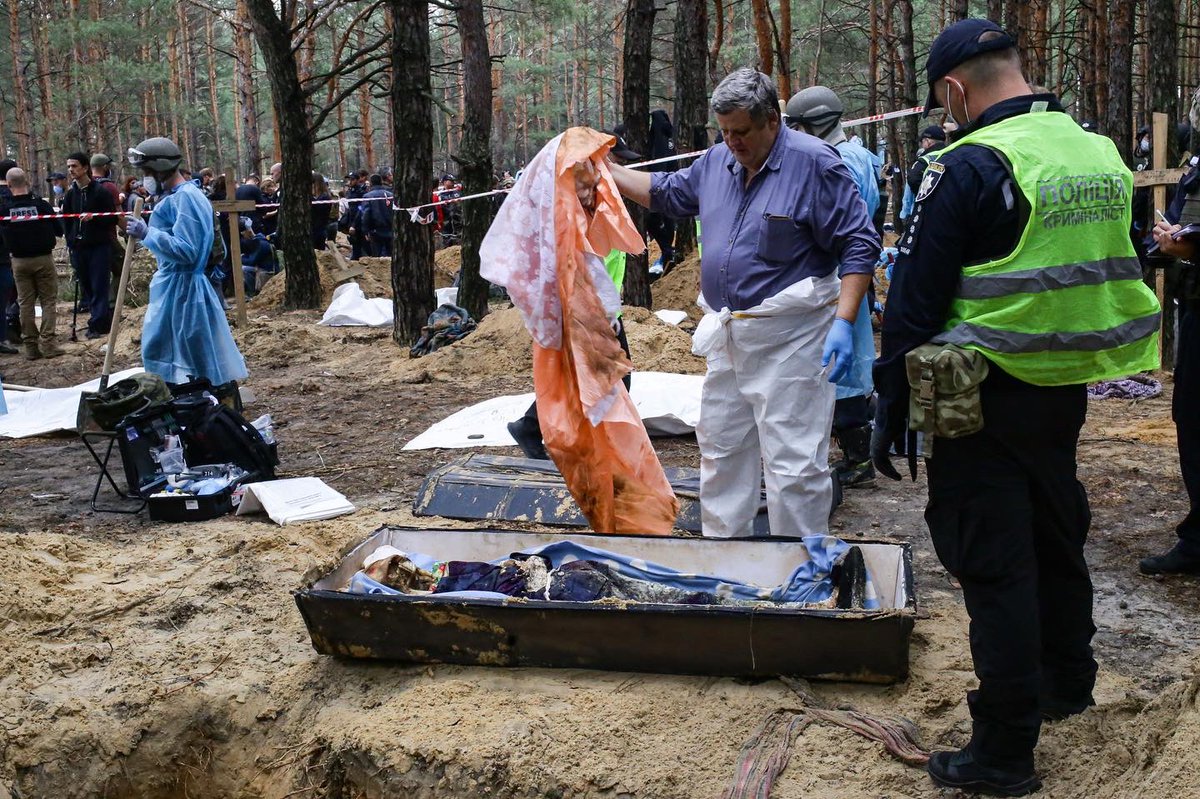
(904, 112)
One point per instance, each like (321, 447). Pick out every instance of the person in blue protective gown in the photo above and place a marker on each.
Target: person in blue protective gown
(185, 335)
(817, 111)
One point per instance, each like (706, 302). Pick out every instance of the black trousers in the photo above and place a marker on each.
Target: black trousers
(1009, 520)
(530, 420)
(1187, 422)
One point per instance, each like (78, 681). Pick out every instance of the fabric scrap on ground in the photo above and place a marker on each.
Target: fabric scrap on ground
(446, 325)
(1134, 387)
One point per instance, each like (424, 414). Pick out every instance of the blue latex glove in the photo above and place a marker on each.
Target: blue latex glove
(839, 345)
(136, 228)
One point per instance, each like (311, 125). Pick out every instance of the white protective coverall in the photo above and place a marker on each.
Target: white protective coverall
(767, 409)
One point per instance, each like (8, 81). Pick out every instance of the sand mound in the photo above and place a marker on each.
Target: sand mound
(375, 282)
(501, 346)
(1150, 431)
(658, 346)
(677, 290)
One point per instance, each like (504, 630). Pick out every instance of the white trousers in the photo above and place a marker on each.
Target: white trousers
(766, 412)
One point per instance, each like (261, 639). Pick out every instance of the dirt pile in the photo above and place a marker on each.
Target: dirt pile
(678, 289)
(375, 282)
(501, 346)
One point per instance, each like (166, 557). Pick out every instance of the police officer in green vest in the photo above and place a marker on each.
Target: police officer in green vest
(1184, 557)
(1018, 265)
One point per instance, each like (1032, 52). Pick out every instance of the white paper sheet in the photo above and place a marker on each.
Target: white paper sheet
(350, 307)
(36, 413)
(297, 499)
(669, 404)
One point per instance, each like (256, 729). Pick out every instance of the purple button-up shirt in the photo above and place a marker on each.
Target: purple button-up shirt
(801, 216)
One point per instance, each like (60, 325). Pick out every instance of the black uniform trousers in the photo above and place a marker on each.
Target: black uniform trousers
(1187, 421)
(1009, 520)
(530, 420)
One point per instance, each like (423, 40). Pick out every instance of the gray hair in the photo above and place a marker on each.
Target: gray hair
(17, 178)
(749, 90)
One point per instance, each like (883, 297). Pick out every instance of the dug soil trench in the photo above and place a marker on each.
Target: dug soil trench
(142, 659)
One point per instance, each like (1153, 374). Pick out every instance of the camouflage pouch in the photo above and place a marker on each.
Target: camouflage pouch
(945, 399)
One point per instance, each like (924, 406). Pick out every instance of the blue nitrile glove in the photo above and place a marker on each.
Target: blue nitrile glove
(839, 344)
(135, 228)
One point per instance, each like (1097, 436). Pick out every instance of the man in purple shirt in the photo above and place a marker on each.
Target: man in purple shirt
(782, 221)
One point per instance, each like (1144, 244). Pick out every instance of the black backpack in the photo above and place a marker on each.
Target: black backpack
(219, 434)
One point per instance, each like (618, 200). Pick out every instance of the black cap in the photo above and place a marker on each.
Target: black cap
(622, 150)
(6, 165)
(56, 176)
(959, 43)
(934, 132)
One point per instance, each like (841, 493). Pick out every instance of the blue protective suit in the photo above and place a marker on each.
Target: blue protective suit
(862, 164)
(185, 334)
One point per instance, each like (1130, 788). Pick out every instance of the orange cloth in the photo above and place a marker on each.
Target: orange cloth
(610, 468)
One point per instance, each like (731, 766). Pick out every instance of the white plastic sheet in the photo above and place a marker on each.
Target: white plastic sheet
(669, 404)
(49, 410)
(671, 317)
(350, 307)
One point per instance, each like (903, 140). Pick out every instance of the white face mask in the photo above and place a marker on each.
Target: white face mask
(1143, 146)
(150, 184)
(949, 113)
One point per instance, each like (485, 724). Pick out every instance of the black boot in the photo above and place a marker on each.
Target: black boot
(529, 441)
(855, 469)
(959, 770)
(1174, 561)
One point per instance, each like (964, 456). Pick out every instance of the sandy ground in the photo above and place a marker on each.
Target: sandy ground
(155, 660)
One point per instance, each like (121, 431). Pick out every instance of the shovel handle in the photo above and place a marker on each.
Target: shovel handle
(115, 328)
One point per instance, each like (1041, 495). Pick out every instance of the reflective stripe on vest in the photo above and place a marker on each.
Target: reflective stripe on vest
(1068, 305)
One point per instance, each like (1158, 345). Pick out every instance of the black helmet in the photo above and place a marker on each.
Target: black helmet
(156, 155)
(816, 106)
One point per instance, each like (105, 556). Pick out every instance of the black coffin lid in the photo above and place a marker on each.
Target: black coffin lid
(861, 646)
(480, 486)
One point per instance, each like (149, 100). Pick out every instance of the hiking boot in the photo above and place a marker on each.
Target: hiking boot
(855, 475)
(50, 350)
(959, 770)
(31, 351)
(91, 335)
(7, 348)
(1171, 562)
(530, 443)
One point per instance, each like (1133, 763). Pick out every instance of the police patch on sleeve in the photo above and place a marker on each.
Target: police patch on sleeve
(933, 176)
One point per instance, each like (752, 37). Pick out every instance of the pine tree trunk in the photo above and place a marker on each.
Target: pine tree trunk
(691, 106)
(762, 36)
(21, 100)
(24, 149)
(50, 128)
(1119, 111)
(475, 155)
(302, 288)
(412, 125)
(364, 113)
(212, 94)
(635, 102)
(1164, 82)
(246, 94)
(908, 69)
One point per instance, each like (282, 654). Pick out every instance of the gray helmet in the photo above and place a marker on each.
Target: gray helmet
(156, 155)
(816, 106)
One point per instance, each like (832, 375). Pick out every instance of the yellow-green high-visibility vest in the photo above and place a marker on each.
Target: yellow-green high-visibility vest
(1068, 305)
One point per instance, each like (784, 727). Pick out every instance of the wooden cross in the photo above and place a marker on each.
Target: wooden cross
(234, 208)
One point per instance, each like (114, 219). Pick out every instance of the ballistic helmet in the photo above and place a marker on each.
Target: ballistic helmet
(156, 155)
(816, 106)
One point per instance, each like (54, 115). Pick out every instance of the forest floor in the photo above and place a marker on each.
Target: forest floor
(155, 660)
